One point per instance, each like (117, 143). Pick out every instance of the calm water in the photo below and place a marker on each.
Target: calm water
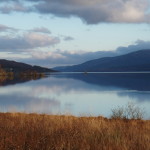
(77, 94)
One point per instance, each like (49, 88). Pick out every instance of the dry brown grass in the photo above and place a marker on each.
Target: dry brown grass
(43, 132)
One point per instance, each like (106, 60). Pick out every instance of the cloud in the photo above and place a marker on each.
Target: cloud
(41, 30)
(15, 40)
(138, 45)
(68, 38)
(9, 6)
(27, 44)
(29, 40)
(91, 12)
(96, 11)
(4, 28)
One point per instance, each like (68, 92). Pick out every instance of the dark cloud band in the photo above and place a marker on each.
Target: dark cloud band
(91, 12)
(60, 58)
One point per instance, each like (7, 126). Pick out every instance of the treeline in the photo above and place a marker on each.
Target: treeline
(9, 76)
(8, 72)
(3, 72)
(21, 67)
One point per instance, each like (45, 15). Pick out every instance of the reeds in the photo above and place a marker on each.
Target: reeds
(20, 131)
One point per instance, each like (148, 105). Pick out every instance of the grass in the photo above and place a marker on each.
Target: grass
(19, 131)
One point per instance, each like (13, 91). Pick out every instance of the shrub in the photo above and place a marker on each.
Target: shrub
(130, 111)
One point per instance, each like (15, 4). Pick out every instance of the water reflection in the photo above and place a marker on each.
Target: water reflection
(10, 80)
(78, 94)
(130, 81)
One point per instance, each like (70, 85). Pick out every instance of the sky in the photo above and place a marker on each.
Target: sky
(65, 32)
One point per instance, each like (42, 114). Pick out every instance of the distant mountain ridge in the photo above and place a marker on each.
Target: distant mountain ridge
(21, 67)
(135, 61)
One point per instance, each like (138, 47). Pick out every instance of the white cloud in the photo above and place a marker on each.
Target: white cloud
(40, 40)
(45, 55)
(29, 40)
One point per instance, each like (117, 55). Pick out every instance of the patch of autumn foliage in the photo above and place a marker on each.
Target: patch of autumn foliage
(19, 131)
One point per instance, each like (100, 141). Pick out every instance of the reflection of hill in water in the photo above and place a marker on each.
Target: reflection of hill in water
(130, 81)
(4, 80)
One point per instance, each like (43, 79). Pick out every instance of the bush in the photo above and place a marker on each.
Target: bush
(130, 111)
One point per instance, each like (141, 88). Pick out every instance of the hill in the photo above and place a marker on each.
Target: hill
(135, 61)
(21, 67)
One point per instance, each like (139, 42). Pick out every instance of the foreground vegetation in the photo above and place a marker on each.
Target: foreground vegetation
(20, 131)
